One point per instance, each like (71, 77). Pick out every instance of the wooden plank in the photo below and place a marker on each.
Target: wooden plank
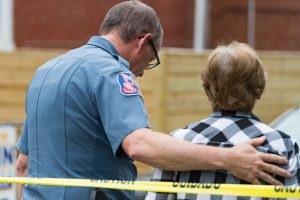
(15, 79)
(12, 113)
(12, 96)
(185, 61)
(159, 92)
(189, 102)
(184, 83)
(284, 83)
(26, 59)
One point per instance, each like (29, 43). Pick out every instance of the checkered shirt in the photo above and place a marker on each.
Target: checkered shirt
(226, 129)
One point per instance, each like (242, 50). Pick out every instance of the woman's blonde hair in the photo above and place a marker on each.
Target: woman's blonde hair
(234, 77)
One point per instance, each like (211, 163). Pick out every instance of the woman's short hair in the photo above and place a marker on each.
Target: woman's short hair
(234, 77)
(130, 19)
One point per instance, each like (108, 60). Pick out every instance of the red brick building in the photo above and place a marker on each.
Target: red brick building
(277, 23)
(69, 23)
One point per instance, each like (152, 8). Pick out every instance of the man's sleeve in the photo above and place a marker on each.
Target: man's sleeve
(22, 144)
(120, 105)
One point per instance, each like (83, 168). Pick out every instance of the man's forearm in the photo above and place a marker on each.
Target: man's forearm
(163, 151)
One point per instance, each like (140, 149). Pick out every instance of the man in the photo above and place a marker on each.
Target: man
(233, 80)
(86, 118)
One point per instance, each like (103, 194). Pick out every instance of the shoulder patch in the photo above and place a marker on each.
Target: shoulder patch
(127, 83)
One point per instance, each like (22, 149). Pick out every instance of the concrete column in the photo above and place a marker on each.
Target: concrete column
(6, 26)
(251, 22)
(200, 26)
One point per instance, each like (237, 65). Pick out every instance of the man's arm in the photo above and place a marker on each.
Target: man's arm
(22, 166)
(165, 152)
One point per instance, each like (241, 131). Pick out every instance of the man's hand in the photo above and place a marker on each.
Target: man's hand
(22, 166)
(246, 163)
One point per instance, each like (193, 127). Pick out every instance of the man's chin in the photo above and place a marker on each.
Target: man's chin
(137, 74)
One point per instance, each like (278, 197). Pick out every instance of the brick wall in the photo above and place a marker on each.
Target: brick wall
(277, 23)
(70, 23)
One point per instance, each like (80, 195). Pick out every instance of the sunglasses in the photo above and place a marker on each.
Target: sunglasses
(154, 62)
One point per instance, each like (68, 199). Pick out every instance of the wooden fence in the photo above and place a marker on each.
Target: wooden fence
(174, 95)
(172, 92)
(16, 71)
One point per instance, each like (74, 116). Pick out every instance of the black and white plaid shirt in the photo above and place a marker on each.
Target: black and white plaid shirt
(228, 128)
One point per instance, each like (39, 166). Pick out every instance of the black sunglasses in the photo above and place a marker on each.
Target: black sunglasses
(153, 63)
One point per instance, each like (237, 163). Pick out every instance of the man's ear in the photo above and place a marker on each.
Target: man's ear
(143, 41)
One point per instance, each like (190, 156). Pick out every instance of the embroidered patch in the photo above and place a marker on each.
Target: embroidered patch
(127, 84)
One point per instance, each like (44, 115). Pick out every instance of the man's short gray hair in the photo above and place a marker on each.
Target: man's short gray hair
(131, 19)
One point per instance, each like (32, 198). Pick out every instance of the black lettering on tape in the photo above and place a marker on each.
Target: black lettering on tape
(182, 184)
(293, 189)
(193, 185)
(196, 185)
(286, 189)
(217, 185)
(278, 188)
(207, 185)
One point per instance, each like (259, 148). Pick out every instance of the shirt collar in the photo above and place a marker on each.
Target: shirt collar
(234, 114)
(107, 46)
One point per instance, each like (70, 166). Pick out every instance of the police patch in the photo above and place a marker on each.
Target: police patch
(128, 86)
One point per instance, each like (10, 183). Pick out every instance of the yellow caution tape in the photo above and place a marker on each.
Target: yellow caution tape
(267, 191)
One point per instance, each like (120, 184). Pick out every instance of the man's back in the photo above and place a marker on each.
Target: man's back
(65, 132)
